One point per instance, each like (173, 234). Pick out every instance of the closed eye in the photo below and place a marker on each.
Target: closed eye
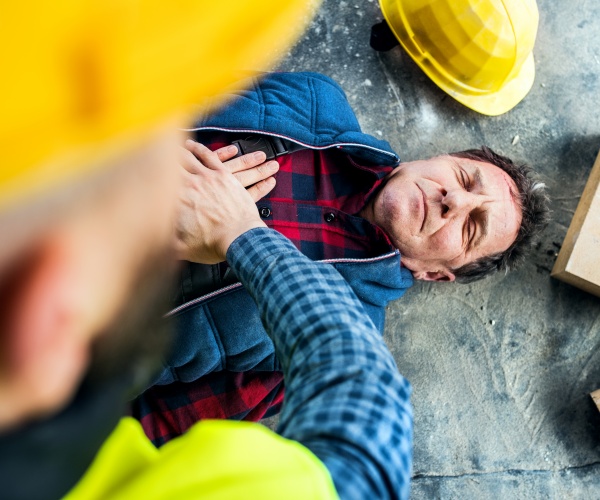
(471, 224)
(465, 181)
(469, 231)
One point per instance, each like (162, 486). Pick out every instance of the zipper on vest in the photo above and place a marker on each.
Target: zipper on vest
(220, 291)
(291, 139)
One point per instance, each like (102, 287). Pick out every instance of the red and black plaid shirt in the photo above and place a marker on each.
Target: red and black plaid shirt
(314, 203)
(167, 411)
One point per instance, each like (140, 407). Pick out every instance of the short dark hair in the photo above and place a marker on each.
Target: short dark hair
(534, 202)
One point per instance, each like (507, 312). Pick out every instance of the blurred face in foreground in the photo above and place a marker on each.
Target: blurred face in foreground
(71, 283)
(446, 212)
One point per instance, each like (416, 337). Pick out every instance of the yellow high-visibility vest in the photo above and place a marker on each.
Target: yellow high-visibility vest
(215, 459)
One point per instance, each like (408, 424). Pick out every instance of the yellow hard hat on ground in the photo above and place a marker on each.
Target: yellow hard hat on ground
(478, 51)
(82, 80)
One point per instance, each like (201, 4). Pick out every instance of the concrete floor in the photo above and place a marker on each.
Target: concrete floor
(501, 370)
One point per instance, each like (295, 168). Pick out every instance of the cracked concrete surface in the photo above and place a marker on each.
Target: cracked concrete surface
(501, 370)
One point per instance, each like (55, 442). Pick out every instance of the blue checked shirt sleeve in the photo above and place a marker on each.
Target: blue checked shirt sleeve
(345, 399)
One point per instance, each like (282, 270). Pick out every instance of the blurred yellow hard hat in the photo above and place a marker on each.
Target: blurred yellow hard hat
(478, 51)
(81, 80)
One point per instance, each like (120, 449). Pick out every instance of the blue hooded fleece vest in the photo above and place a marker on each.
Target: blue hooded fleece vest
(222, 330)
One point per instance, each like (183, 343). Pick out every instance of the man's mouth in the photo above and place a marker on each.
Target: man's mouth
(424, 201)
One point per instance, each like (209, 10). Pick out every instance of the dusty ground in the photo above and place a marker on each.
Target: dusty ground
(501, 370)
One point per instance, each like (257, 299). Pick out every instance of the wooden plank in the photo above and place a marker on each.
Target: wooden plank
(578, 261)
(596, 397)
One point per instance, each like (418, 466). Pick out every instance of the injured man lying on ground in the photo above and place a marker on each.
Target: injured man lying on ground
(341, 196)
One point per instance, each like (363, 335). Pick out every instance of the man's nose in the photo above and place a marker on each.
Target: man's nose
(459, 202)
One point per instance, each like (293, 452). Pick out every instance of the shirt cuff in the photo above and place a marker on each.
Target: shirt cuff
(250, 249)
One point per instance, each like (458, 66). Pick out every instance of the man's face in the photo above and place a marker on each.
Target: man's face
(75, 284)
(446, 212)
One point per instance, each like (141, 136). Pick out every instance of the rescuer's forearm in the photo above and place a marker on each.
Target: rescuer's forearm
(345, 399)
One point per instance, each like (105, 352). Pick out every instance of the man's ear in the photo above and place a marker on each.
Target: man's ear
(43, 352)
(442, 275)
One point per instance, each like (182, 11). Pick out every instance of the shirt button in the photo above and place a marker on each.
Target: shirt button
(329, 217)
(265, 212)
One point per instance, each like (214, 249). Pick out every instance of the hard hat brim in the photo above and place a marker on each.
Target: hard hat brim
(503, 100)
